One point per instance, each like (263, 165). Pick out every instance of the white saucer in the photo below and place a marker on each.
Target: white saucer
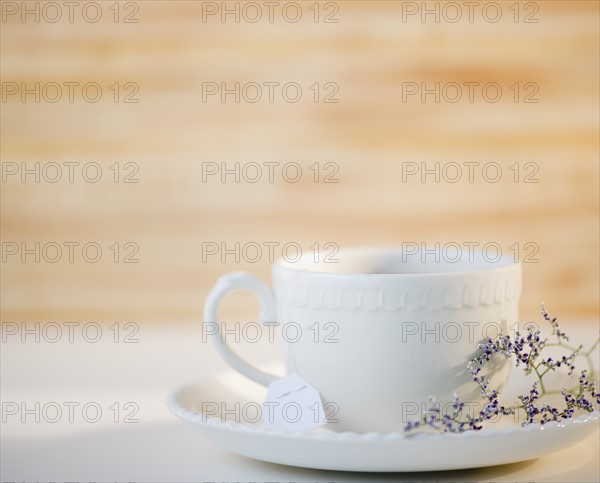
(376, 452)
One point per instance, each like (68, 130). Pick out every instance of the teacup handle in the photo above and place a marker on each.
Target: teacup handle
(228, 283)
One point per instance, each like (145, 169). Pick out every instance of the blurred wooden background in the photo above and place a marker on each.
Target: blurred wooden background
(370, 133)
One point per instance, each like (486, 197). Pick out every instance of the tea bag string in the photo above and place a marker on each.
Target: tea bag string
(292, 391)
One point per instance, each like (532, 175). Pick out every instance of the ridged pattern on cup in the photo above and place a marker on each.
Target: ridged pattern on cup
(301, 289)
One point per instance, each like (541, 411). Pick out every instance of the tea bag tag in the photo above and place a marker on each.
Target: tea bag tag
(292, 404)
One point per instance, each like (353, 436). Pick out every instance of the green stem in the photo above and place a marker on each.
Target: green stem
(591, 349)
(542, 387)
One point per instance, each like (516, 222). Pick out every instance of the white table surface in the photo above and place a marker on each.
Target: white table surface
(159, 448)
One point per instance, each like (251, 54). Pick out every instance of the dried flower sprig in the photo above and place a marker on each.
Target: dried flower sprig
(526, 350)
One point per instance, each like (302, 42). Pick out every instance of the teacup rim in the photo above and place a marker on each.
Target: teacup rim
(505, 263)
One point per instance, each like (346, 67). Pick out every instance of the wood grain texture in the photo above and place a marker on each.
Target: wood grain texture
(371, 134)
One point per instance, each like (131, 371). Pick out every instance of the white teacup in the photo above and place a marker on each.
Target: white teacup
(404, 327)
